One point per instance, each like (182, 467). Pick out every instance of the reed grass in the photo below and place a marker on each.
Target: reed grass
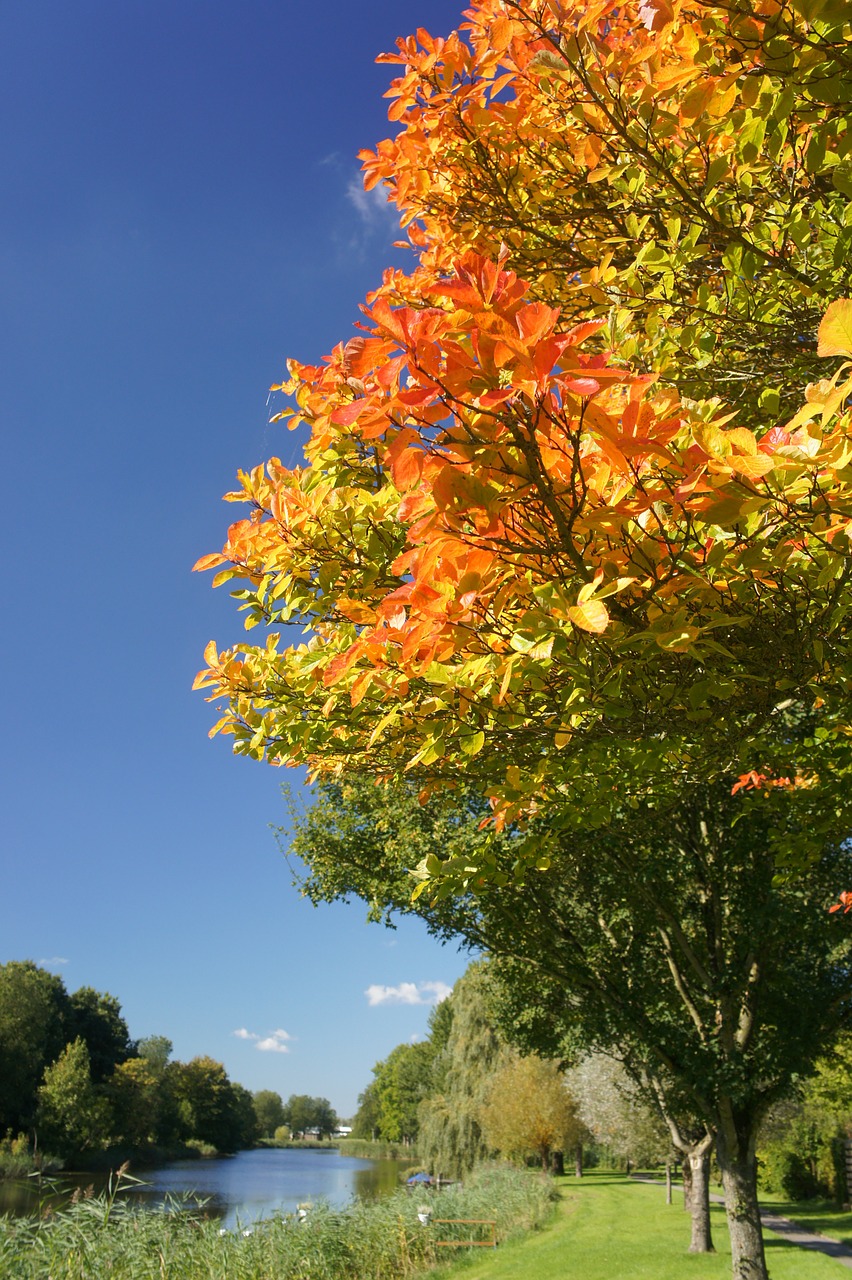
(106, 1238)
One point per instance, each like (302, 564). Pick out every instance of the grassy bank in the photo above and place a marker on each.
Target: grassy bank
(299, 1144)
(104, 1239)
(365, 1149)
(608, 1228)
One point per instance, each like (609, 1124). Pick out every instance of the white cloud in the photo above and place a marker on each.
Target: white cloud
(53, 963)
(408, 993)
(272, 1044)
(372, 206)
(275, 1042)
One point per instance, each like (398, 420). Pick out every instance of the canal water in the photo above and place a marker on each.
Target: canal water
(250, 1185)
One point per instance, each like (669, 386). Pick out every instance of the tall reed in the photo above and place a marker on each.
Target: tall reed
(106, 1238)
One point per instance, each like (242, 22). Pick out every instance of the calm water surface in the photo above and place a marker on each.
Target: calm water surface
(252, 1184)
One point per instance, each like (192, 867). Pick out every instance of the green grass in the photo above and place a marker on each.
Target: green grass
(608, 1228)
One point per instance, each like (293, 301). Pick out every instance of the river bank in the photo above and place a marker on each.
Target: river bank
(102, 1238)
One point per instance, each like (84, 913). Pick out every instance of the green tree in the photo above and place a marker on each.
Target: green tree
(135, 1095)
(269, 1111)
(402, 1082)
(96, 1017)
(675, 941)
(156, 1050)
(246, 1128)
(366, 1121)
(72, 1115)
(211, 1109)
(325, 1117)
(303, 1113)
(35, 1015)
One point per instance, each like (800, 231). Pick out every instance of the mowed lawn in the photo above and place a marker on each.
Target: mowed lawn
(609, 1228)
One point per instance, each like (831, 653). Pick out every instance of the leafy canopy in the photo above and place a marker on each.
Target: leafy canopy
(575, 512)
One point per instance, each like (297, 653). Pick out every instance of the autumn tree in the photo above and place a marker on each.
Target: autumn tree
(518, 543)
(529, 1111)
(575, 514)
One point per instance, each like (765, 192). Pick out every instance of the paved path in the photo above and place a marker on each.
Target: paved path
(784, 1227)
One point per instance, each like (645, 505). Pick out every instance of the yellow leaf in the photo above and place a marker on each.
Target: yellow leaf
(591, 615)
(753, 468)
(834, 336)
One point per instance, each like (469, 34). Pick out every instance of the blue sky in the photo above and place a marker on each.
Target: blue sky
(181, 211)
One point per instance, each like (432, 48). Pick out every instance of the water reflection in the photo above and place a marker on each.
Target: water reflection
(242, 1188)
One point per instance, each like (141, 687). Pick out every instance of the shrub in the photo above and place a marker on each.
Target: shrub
(785, 1173)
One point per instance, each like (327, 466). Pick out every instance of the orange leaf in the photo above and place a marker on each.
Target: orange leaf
(501, 34)
(407, 468)
(209, 562)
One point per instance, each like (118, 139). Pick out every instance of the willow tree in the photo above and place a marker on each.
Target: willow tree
(576, 506)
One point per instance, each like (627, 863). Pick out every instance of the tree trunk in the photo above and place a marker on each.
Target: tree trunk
(701, 1240)
(668, 1182)
(578, 1160)
(738, 1167)
(686, 1173)
(557, 1164)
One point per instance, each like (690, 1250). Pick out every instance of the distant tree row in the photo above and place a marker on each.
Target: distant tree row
(72, 1079)
(299, 1117)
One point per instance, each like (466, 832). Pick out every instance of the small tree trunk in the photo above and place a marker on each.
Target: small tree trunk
(557, 1164)
(578, 1160)
(686, 1174)
(545, 1159)
(668, 1182)
(701, 1240)
(628, 1169)
(738, 1167)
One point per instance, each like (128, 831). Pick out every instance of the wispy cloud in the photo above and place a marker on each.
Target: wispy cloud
(275, 1042)
(55, 962)
(372, 206)
(408, 993)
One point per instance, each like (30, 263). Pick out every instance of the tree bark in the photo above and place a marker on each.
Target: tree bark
(557, 1164)
(668, 1182)
(686, 1173)
(738, 1167)
(701, 1240)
